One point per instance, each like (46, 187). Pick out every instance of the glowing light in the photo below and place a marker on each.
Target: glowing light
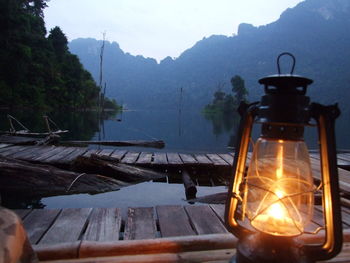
(276, 211)
(279, 170)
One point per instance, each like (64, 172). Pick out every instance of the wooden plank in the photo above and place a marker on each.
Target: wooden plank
(174, 159)
(227, 157)
(219, 210)
(33, 153)
(217, 160)
(204, 220)
(209, 255)
(159, 159)
(3, 145)
(346, 216)
(344, 176)
(203, 159)
(96, 250)
(67, 227)
(342, 159)
(104, 225)
(38, 222)
(89, 152)
(22, 213)
(105, 152)
(118, 154)
(214, 250)
(344, 156)
(318, 216)
(319, 220)
(65, 151)
(10, 150)
(188, 159)
(73, 155)
(144, 158)
(7, 148)
(140, 224)
(130, 157)
(24, 152)
(173, 221)
(45, 155)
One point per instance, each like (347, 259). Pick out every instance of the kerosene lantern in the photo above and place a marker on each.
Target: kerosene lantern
(270, 204)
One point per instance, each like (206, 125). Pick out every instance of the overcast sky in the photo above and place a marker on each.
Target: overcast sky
(159, 28)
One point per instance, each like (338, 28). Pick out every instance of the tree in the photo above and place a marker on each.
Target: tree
(35, 70)
(59, 42)
(238, 88)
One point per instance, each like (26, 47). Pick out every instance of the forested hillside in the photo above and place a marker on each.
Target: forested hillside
(315, 31)
(36, 69)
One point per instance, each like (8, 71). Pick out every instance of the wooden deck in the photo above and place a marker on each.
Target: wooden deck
(80, 227)
(53, 226)
(66, 155)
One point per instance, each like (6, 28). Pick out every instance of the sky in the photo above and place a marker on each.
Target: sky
(159, 28)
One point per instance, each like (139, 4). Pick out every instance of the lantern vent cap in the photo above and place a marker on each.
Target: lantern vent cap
(285, 83)
(280, 80)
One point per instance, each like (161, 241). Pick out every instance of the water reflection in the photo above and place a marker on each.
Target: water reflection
(224, 123)
(82, 125)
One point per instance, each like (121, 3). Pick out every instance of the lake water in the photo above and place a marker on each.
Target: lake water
(185, 131)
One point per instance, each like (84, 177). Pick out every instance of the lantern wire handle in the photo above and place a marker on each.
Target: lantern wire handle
(278, 62)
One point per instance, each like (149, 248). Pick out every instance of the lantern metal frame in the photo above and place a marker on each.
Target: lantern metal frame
(270, 111)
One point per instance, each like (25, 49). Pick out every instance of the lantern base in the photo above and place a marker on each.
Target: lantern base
(264, 248)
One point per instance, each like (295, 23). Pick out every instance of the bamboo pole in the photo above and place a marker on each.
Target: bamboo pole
(91, 249)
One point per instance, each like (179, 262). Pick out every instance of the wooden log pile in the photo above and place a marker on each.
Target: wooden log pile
(111, 167)
(44, 180)
(94, 174)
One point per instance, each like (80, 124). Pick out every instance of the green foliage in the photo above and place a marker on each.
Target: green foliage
(111, 104)
(35, 70)
(223, 109)
(239, 89)
(226, 104)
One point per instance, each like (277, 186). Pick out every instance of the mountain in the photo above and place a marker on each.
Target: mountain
(315, 31)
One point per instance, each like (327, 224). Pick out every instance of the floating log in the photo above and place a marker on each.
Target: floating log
(153, 144)
(44, 180)
(109, 166)
(190, 187)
